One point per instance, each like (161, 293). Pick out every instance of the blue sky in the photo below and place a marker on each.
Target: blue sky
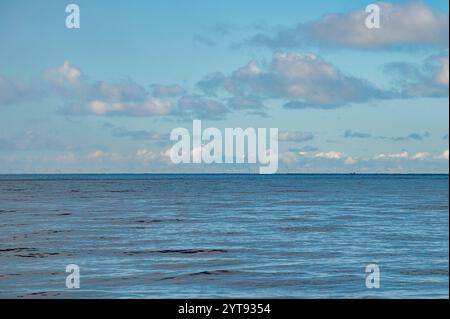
(103, 98)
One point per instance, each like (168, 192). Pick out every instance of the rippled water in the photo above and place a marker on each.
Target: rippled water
(161, 236)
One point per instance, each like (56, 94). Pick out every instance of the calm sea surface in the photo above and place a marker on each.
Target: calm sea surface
(170, 236)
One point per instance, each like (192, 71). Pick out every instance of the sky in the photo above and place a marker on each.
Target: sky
(104, 98)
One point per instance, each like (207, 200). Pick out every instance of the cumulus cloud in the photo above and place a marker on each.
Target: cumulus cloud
(150, 107)
(402, 155)
(332, 161)
(331, 155)
(305, 155)
(304, 149)
(149, 156)
(421, 156)
(431, 79)
(444, 155)
(126, 97)
(82, 97)
(289, 157)
(350, 161)
(295, 155)
(401, 25)
(154, 160)
(306, 80)
(125, 90)
(146, 155)
(63, 75)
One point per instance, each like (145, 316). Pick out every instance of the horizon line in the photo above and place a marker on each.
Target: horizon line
(237, 173)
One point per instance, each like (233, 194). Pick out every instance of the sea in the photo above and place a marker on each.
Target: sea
(224, 236)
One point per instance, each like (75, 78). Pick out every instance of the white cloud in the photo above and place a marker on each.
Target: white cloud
(165, 156)
(334, 155)
(145, 155)
(65, 74)
(305, 79)
(289, 157)
(97, 154)
(350, 161)
(402, 155)
(101, 107)
(442, 74)
(126, 98)
(409, 24)
(156, 106)
(303, 66)
(103, 98)
(331, 155)
(152, 106)
(125, 90)
(421, 156)
(444, 155)
(251, 69)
